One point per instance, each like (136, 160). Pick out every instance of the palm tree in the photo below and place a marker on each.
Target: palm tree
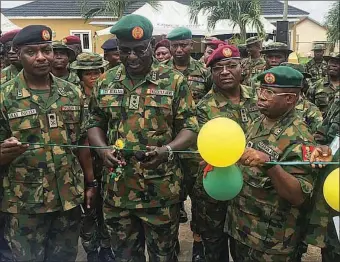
(240, 12)
(333, 24)
(112, 8)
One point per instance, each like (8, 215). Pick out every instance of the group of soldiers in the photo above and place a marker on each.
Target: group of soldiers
(104, 148)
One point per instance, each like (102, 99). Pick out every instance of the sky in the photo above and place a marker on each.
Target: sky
(317, 9)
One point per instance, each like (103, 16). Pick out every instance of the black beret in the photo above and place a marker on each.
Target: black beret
(110, 44)
(32, 35)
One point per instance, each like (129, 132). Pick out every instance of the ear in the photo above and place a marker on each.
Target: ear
(292, 98)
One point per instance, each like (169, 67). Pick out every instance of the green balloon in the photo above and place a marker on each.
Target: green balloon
(223, 183)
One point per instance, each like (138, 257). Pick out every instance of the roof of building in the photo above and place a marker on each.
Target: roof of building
(72, 8)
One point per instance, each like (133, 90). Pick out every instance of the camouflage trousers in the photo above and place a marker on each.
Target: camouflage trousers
(131, 229)
(44, 237)
(5, 252)
(243, 253)
(93, 232)
(210, 218)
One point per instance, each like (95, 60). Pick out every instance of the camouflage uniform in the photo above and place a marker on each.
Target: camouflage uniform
(72, 77)
(94, 233)
(8, 73)
(317, 70)
(264, 227)
(210, 213)
(43, 187)
(321, 230)
(250, 68)
(150, 113)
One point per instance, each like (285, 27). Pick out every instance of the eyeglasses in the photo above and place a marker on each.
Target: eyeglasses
(138, 51)
(269, 94)
(220, 69)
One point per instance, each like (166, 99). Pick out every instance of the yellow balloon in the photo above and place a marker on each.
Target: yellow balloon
(221, 142)
(331, 189)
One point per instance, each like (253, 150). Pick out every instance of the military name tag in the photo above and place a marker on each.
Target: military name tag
(70, 108)
(274, 155)
(112, 91)
(253, 109)
(52, 120)
(134, 102)
(160, 92)
(196, 79)
(24, 113)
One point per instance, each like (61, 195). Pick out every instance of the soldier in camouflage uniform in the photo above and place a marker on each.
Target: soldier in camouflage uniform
(322, 93)
(210, 46)
(237, 102)
(317, 66)
(309, 112)
(254, 64)
(148, 107)
(74, 43)
(93, 232)
(266, 220)
(10, 56)
(62, 55)
(199, 81)
(205, 41)
(321, 230)
(275, 53)
(44, 185)
(111, 53)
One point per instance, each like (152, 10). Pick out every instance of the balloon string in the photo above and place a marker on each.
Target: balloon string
(288, 163)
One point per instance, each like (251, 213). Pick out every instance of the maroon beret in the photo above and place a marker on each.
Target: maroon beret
(163, 43)
(223, 52)
(9, 36)
(71, 40)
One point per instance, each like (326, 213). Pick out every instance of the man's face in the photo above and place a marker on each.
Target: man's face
(162, 54)
(37, 59)
(253, 48)
(11, 54)
(275, 102)
(180, 50)
(318, 54)
(60, 59)
(275, 59)
(207, 53)
(227, 74)
(334, 67)
(113, 57)
(136, 56)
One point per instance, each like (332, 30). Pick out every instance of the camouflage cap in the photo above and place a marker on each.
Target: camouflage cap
(208, 39)
(333, 56)
(253, 40)
(299, 67)
(59, 45)
(318, 47)
(87, 61)
(276, 47)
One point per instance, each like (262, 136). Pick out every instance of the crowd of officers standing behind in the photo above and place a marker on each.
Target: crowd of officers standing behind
(61, 109)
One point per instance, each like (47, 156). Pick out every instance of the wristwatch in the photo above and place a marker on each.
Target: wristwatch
(170, 153)
(93, 183)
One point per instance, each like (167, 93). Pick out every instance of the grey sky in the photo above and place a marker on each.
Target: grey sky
(317, 9)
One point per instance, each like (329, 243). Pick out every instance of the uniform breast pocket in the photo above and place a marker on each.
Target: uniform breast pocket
(71, 116)
(26, 129)
(321, 99)
(158, 113)
(112, 105)
(26, 185)
(197, 90)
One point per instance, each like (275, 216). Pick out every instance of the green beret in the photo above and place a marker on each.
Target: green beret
(281, 77)
(252, 40)
(276, 47)
(299, 67)
(133, 28)
(318, 47)
(333, 56)
(59, 45)
(179, 33)
(88, 61)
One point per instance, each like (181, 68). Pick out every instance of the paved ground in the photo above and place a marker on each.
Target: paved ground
(185, 236)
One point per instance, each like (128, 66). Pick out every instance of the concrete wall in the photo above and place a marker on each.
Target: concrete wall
(62, 28)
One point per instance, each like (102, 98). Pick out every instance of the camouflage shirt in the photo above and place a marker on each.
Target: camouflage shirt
(310, 114)
(72, 77)
(151, 112)
(317, 70)
(43, 179)
(251, 68)
(322, 94)
(258, 217)
(8, 73)
(198, 78)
